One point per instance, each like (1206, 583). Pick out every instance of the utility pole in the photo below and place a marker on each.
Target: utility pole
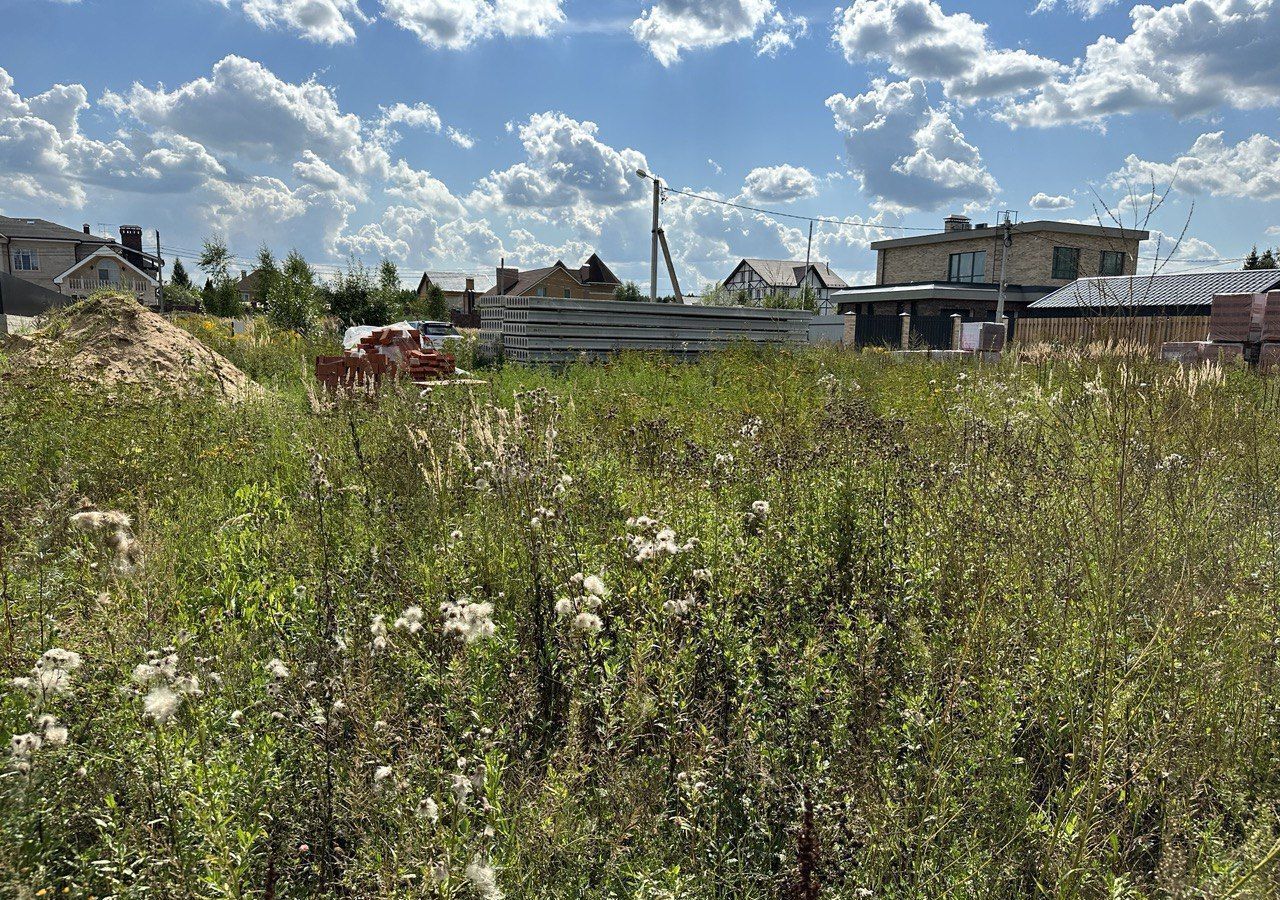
(159, 274)
(653, 261)
(1007, 227)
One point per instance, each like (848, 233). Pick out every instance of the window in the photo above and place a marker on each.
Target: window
(968, 267)
(26, 261)
(1112, 263)
(540, 292)
(104, 274)
(1066, 263)
(568, 293)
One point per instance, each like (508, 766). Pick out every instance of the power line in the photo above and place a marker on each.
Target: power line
(826, 220)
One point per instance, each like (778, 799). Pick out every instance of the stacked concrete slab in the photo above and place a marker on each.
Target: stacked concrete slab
(554, 330)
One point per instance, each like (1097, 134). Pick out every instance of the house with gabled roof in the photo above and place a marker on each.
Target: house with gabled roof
(593, 280)
(74, 263)
(757, 279)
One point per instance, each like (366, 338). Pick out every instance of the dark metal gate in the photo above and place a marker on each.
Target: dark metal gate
(930, 332)
(877, 331)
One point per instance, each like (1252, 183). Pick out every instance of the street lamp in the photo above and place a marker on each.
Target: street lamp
(653, 258)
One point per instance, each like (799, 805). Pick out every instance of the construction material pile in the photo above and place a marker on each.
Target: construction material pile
(396, 351)
(112, 339)
(1241, 327)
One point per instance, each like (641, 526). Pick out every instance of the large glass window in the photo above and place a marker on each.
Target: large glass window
(1112, 263)
(1066, 263)
(26, 261)
(968, 267)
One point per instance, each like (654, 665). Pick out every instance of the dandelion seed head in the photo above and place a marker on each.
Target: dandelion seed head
(588, 622)
(429, 809)
(277, 669)
(161, 704)
(483, 880)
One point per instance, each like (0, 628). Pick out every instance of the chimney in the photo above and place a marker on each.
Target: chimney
(86, 228)
(956, 223)
(131, 240)
(244, 274)
(507, 279)
(471, 285)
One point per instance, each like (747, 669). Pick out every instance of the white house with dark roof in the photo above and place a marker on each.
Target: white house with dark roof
(761, 278)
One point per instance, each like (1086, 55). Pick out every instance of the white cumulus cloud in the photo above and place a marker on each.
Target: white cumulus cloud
(322, 21)
(906, 153)
(1248, 169)
(669, 28)
(455, 24)
(1041, 200)
(1187, 58)
(918, 40)
(780, 184)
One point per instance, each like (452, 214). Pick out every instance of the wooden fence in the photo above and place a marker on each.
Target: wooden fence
(1150, 331)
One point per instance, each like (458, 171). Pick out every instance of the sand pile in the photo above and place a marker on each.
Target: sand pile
(112, 339)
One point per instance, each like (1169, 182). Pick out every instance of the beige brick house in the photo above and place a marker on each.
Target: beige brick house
(593, 280)
(77, 263)
(957, 270)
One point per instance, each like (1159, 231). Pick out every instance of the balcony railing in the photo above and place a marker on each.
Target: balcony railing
(86, 286)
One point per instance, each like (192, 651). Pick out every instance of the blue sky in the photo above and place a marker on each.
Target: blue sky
(445, 134)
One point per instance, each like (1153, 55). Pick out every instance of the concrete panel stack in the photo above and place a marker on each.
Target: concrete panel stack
(555, 330)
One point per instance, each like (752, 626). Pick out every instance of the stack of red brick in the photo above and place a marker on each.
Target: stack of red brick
(1241, 326)
(386, 352)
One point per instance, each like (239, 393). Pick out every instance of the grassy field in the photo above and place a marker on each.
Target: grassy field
(772, 625)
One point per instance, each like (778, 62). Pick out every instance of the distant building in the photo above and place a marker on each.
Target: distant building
(74, 263)
(593, 280)
(760, 278)
(1174, 294)
(459, 290)
(250, 289)
(957, 270)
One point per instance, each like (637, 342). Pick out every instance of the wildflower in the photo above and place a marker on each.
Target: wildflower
(470, 621)
(593, 584)
(483, 879)
(90, 520)
(703, 575)
(461, 787)
(429, 809)
(54, 734)
(751, 428)
(564, 606)
(299, 591)
(378, 628)
(588, 621)
(277, 670)
(410, 620)
(455, 536)
(760, 508)
(381, 774)
(161, 704)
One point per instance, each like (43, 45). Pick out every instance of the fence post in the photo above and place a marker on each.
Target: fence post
(850, 338)
(906, 330)
(956, 341)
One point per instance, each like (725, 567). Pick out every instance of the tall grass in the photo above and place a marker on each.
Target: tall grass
(995, 632)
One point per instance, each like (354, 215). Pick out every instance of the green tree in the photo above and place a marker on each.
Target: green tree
(1251, 260)
(629, 292)
(220, 295)
(267, 273)
(1267, 260)
(437, 304)
(180, 277)
(293, 299)
(352, 297)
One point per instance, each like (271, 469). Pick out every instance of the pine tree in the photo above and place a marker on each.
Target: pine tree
(180, 277)
(1251, 261)
(1267, 260)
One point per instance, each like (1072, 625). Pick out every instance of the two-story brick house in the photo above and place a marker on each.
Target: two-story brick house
(593, 280)
(77, 263)
(958, 270)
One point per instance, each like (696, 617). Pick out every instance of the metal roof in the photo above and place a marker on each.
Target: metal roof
(1177, 289)
(39, 229)
(790, 272)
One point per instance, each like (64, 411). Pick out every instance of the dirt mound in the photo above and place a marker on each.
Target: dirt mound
(112, 339)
